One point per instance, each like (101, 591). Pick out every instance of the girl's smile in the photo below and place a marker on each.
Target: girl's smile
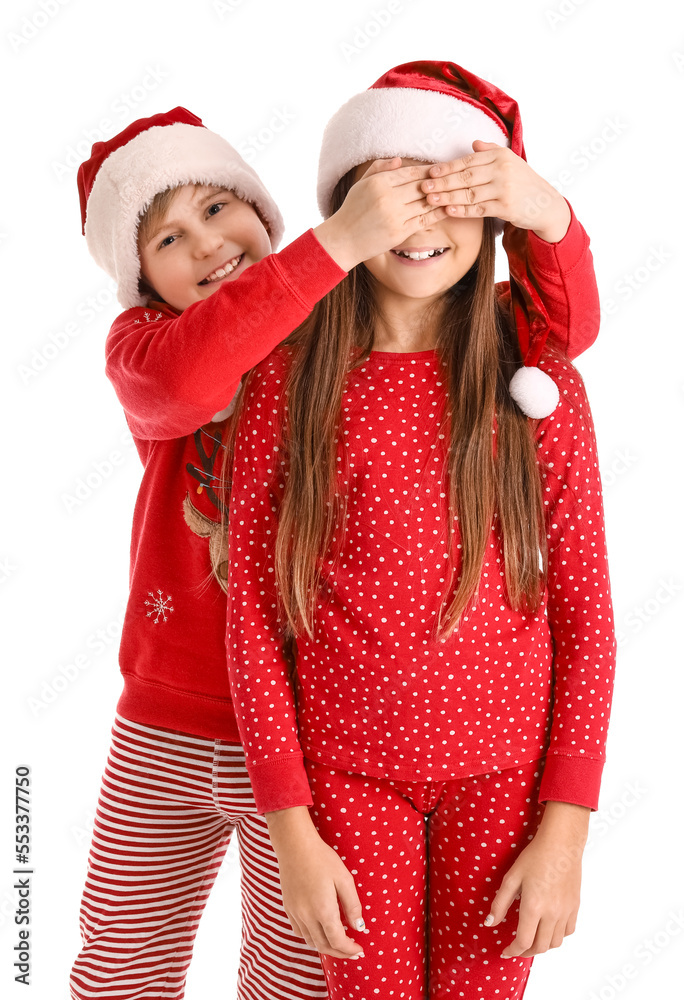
(418, 256)
(411, 277)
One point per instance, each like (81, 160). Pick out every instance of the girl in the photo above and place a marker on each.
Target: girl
(436, 730)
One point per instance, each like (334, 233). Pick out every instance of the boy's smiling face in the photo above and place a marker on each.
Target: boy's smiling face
(207, 236)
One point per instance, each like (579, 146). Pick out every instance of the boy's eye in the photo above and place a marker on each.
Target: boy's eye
(166, 242)
(216, 207)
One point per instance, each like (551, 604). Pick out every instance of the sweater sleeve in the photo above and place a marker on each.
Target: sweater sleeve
(564, 275)
(173, 373)
(579, 609)
(262, 694)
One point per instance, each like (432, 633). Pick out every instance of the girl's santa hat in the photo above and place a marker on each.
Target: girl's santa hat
(124, 174)
(433, 111)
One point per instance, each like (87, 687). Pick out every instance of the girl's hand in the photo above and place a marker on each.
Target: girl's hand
(315, 883)
(546, 876)
(495, 182)
(383, 208)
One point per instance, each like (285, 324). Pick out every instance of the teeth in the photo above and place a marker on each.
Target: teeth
(221, 272)
(421, 254)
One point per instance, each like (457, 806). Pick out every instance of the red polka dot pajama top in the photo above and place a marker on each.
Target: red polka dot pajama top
(376, 692)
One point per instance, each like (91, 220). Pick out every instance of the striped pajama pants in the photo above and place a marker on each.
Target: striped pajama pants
(167, 810)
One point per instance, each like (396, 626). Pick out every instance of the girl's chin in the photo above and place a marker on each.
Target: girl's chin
(419, 288)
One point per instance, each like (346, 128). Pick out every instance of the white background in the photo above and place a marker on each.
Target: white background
(600, 86)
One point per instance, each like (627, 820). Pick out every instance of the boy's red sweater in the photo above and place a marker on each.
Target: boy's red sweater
(172, 373)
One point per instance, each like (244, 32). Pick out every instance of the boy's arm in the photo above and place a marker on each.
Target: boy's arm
(172, 374)
(579, 609)
(257, 667)
(564, 275)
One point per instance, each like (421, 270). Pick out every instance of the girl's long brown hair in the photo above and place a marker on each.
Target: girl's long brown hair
(491, 469)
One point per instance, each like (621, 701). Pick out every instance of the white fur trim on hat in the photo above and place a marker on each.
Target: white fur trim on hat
(399, 121)
(535, 392)
(161, 157)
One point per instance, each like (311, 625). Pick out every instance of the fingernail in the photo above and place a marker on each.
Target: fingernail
(488, 920)
(435, 198)
(360, 955)
(429, 185)
(360, 924)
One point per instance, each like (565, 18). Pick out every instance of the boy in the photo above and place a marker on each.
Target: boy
(186, 228)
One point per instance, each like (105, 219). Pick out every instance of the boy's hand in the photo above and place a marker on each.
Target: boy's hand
(546, 876)
(383, 208)
(495, 182)
(315, 883)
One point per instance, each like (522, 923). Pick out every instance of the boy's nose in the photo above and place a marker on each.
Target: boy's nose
(207, 243)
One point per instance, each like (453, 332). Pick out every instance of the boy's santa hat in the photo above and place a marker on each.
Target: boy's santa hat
(433, 111)
(124, 174)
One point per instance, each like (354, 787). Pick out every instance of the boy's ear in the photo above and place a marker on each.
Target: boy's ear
(262, 220)
(146, 289)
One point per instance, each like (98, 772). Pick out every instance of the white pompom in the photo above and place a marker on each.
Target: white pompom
(535, 392)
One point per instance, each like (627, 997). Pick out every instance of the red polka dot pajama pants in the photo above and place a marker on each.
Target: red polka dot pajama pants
(427, 859)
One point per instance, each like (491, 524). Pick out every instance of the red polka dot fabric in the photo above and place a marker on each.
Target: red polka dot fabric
(378, 693)
(427, 859)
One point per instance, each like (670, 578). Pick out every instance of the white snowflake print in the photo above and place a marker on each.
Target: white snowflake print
(159, 605)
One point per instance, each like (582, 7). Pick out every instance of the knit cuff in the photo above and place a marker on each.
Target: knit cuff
(280, 783)
(571, 779)
(559, 258)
